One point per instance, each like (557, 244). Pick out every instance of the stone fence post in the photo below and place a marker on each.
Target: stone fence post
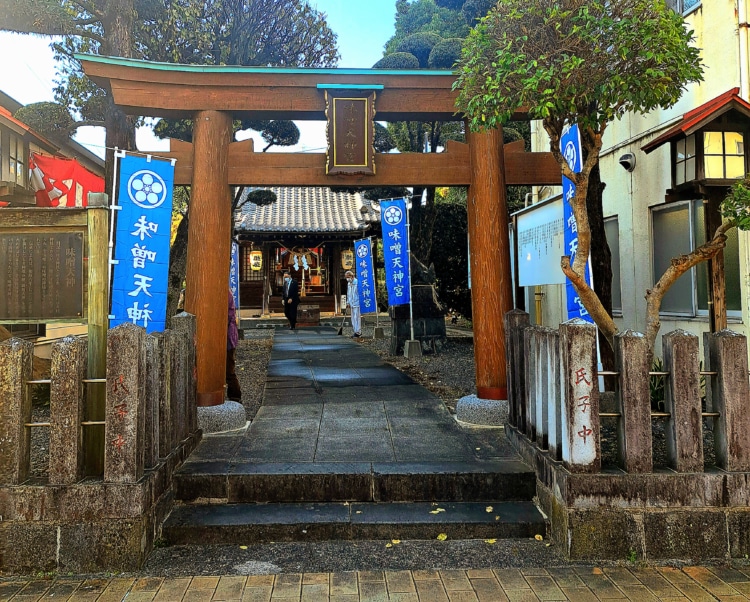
(66, 407)
(633, 395)
(682, 400)
(581, 450)
(125, 408)
(15, 410)
(177, 385)
(186, 323)
(531, 365)
(553, 417)
(731, 395)
(156, 394)
(516, 321)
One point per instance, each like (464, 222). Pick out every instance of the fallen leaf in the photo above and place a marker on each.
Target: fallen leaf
(243, 547)
(489, 509)
(389, 545)
(538, 537)
(442, 537)
(437, 510)
(497, 518)
(358, 512)
(490, 541)
(395, 541)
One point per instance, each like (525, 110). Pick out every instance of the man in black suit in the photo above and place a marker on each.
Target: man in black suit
(291, 299)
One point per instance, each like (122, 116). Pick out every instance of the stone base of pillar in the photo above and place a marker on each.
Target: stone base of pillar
(378, 333)
(412, 348)
(486, 412)
(229, 416)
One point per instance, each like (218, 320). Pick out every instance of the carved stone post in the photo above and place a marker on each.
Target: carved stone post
(208, 251)
(66, 405)
(15, 409)
(634, 401)
(185, 323)
(731, 395)
(126, 393)
(581, 451)
(492, 291)
(683, 401)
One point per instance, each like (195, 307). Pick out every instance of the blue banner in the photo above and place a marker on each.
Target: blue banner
(570, 147)
(365, 276)
(234, 274)
(395, 250)
(139, 283)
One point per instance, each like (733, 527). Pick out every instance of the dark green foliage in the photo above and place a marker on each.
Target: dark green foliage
(254, 124)
(476, 9)
(50, 119)
(445, 53)
(420, 45)
(179, 129)
(261, 197)
(450, 254)
(281, 132)
(450, 4)
(398, 60)
(383, 142)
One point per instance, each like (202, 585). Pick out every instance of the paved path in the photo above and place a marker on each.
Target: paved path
(579, 584)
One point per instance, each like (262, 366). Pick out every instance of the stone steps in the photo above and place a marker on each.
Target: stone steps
(276, 482)
(206, 524)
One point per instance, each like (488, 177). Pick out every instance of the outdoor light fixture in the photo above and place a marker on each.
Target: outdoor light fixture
(628, 161)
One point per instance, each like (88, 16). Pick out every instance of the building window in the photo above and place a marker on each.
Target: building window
(16, 161)
(724, 155)
(612, 230)
(683, 6)
(684, 163)
(677, 228)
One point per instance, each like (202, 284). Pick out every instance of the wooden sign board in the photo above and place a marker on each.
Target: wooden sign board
(42, 276)
(351, 132)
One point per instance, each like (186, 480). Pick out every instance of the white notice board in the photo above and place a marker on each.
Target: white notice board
(541, 243)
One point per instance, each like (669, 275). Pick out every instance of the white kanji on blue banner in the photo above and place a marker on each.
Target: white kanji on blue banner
(234, 273)
(139, 283)
(365, 276)
(395, 250)
(570, 147)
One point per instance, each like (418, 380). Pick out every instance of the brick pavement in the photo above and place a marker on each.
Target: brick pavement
(578, 584)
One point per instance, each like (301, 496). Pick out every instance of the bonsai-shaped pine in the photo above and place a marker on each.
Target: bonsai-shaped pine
(576, 61)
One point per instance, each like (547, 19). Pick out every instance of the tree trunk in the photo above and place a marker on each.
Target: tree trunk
(601, 260)
(117, 20)
(177, 267)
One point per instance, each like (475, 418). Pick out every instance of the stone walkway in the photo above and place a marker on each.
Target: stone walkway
(578, 584)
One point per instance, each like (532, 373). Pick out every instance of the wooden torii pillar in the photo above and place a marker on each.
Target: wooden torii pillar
(213, 95)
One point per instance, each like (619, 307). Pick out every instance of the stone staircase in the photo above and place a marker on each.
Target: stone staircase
(346, 447)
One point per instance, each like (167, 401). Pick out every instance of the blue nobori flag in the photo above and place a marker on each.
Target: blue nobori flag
(365, 276)
(570, 147)
(395, 250)
(234, 273)
(139, 283)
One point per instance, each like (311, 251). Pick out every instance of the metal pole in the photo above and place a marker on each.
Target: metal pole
(408, 256)
(112, 208)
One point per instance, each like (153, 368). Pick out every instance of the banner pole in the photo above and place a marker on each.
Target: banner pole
(113, 206)
(408, 257)
(375, 280)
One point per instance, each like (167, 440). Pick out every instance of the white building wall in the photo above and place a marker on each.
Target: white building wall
(630, 195)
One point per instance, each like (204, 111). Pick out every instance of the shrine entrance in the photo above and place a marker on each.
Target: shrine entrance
(351, 100)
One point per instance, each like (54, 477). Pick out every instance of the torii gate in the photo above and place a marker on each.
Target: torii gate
(213, 95)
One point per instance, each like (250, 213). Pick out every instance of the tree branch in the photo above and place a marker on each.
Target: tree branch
(678, 266)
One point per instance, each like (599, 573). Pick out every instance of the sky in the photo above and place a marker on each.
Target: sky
(363, 28)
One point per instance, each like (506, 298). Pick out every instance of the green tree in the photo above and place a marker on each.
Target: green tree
(104, 25)
(576, 61)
